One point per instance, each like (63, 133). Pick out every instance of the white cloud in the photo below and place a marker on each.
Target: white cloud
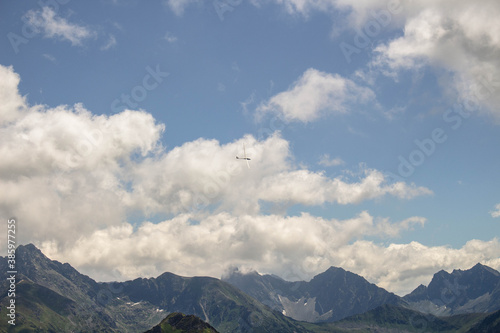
(53, 26)
(327, 161)
(496, 212)
(315, 94)
(305, 187)
(12, 104)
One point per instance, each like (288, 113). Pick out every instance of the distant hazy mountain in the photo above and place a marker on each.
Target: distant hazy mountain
(473, 290)
(180, 323)
(329, 296)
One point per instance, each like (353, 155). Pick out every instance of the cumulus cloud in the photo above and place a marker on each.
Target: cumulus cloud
(315, 94)
(51, 25)
(64, 168)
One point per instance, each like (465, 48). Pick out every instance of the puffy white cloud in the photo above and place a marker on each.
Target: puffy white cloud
(53, 26)
(314, 94)
(303, 186)
(496, 212)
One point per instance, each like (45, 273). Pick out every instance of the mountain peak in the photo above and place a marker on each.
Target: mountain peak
(480, 267)
(335, 269)
(30, 248)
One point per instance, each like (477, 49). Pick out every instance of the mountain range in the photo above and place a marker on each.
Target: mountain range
(337, 294)
(329, 296)
(55, 297)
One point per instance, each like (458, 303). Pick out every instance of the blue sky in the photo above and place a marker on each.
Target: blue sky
(375, 124)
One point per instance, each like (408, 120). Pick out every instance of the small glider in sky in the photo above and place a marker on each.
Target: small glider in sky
(245, 157)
